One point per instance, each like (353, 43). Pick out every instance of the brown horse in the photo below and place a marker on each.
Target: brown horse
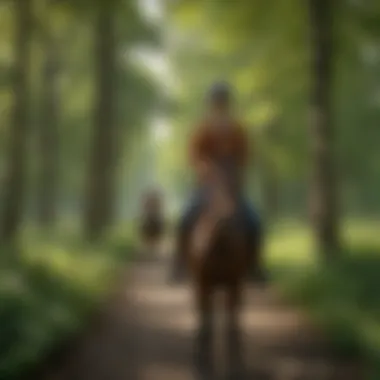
(218, 256)
(152, 229)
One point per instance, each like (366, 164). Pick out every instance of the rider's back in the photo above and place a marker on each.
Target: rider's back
(219, 145)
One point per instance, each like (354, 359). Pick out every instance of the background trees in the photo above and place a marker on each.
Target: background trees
(78, 100)
(97, 100)
(296, 66)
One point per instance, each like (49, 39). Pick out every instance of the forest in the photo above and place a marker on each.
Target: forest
(98, 100)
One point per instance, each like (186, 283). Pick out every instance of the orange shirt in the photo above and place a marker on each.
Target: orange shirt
(208, 144)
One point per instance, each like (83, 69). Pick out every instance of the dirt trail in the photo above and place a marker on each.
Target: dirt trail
(146, 334)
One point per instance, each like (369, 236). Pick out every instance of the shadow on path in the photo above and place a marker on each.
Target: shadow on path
(146, 334)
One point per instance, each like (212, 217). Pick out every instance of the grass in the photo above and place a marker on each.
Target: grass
(47, 289)
(342, 296)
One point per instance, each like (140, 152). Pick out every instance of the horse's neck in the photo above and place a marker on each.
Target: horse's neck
(208, 231)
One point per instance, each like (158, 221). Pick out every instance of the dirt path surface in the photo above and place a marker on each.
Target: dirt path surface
(146, 334)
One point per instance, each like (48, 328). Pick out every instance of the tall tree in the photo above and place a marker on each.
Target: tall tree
(103, 157)
(15, 182)
(323, 186)
(49, 127)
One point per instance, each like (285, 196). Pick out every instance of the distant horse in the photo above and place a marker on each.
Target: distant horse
(152, 229)
(217, 256)
(152, 226)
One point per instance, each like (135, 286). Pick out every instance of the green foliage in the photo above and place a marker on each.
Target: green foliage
(263, 48)
(48, 285)
(340, 296)
(47, 293)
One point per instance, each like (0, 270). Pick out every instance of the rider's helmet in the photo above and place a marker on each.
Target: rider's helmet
(220, 93)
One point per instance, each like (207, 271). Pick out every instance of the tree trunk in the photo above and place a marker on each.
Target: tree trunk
(15, 182)
(323, 187)
(100, 192)
(49, 136)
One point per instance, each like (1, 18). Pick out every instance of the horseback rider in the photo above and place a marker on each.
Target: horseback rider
(152, 218)
(219, 138)
(151, 202)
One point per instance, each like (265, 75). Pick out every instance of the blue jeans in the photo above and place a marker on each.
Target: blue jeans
(192, 211)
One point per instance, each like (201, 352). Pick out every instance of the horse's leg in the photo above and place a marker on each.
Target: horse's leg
(234, 343)
(203, 346)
